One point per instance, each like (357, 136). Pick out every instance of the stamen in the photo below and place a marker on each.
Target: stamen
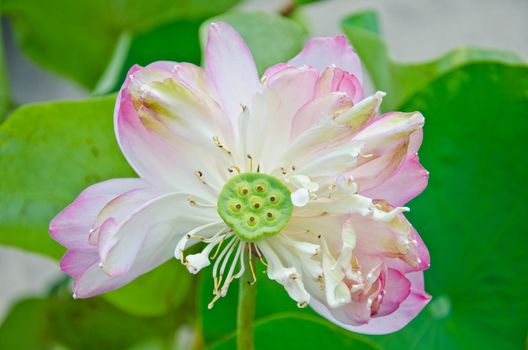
(250, 163)
(320, 280)
(217, 142)
(227, 249)
(302, 305)
(234, 168)
(218, 248)
(193, 202)
(230, 276)
(199, 175)
(259, 254)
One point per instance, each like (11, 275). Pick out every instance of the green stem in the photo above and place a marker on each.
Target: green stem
(247, 297)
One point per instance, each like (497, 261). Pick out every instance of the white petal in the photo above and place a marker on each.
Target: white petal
(301, 197)
(230, 69)
(155, 229)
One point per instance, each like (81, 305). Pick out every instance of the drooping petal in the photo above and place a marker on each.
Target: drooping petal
(325, 52)
(76, 262)
(143, 241)
(407, 310)
(72, 225)
(230, 69)
(397, 289)
(146, 232)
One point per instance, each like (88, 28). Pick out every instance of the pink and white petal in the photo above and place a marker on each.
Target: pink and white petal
(408, 182)
(392, 239)
(76, 262)
(230, 69)
(319, 109)
(393, 322)
(325, 52)
(421, 252)
(407, 311)
(72, 225)
(157, 155)
(335, 79)
(147, 232)
(391, 129)
(274, 69)
(397, 289)
(330, 131)
(294, 89)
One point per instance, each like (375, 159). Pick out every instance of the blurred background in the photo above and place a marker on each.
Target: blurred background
(414, 32)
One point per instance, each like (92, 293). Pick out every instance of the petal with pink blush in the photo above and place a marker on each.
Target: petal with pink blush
(399, 184)
(150, 228)
(230, 69)
(72, 225)
(393, 322)
(405, 313)
(76, 262)
(397, 289)
(157, 155)
(387, 131)
(318, 109)
(335, 79)
(407, 182)
(325, 52)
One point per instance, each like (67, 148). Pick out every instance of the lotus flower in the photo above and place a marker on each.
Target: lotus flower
(295, 169)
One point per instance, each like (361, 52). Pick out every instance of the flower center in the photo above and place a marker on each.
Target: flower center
(255, 205)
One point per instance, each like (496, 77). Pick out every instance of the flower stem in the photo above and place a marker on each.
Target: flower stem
(247, 297)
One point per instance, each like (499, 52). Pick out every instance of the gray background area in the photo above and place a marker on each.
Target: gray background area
(416, 30)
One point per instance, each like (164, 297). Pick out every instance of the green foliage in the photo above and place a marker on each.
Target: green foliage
(272, 39)
(78, 38)
(475, 104)
(291, 331)
(402, 81)
(49, 153)
(155, 293)
(4, 93)
(63, 323)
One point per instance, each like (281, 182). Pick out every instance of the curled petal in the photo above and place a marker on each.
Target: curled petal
(72, 225)
(153, 230)
(336, 79)
(325, 52)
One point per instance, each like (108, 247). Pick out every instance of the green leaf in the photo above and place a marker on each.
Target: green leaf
(49, 153)
(78, 38)
(4, 88)
(291, 331)
(272, 39)
(156, 293)
(471, 215)
(63, 323)
(402, 81)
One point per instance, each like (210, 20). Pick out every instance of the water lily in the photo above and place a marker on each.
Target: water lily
(296, 171)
